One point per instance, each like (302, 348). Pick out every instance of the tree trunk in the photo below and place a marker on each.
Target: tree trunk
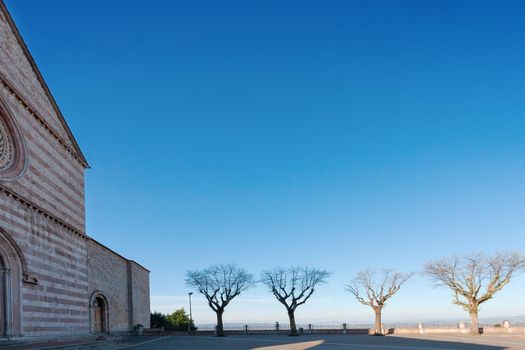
(293, 326)
(220, 327)
(378, 324)
(474, 322)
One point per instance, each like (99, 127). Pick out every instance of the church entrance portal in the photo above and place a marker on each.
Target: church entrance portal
(2, 301)
(99, 315)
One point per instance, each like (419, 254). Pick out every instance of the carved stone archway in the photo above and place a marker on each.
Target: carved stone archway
(2, 299)
(12, 266)
(98, 313)
(13, 152)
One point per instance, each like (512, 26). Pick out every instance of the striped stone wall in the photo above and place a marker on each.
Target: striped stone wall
(43, 210)
(55, 267)
(57, 304)
(17, 68)
(54, 180)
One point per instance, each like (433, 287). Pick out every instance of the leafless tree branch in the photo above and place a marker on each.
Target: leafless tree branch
(375, 289)
(475, 278)
(220, 284)
(293, 286)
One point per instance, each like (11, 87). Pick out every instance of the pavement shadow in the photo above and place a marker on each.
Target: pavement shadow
(292, 346)
(465, 343)
(372, 343)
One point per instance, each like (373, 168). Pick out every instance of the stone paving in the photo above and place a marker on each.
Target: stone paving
(314, 342)
(281, 342)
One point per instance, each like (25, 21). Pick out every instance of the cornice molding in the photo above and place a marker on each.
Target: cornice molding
(32, 110)
(26, 202)
(128, 261)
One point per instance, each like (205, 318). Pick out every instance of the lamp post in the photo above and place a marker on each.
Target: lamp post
(189, 324)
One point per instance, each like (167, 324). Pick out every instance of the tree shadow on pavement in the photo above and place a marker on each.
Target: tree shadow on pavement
(293, 346)
(371, 343)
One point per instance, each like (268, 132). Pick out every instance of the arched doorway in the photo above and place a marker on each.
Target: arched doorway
(99, 313)
(11, 271)
(2, 300)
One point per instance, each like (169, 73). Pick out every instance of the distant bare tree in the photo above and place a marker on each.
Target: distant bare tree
(220, 284)
(475, 278)
(374, 289)
(293, 286)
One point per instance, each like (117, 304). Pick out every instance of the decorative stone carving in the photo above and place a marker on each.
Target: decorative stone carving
(28, 277)
(6, 147)
(13, 161)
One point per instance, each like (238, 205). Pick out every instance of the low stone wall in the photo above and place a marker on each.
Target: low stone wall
(152, 331)
(415, 330)
(505, 328)
(420, 329)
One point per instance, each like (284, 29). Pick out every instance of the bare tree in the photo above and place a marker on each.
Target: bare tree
(475, 278)
(374, 289)
(220, 284)
(292, 287)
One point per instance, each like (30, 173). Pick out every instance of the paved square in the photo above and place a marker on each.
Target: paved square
(332, 342)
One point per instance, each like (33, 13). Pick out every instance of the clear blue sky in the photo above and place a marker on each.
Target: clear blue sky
(344, 135)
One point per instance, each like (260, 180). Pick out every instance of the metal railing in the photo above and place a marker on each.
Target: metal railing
(282, 327)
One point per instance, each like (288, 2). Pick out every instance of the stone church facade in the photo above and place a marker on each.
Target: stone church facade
(54, 278)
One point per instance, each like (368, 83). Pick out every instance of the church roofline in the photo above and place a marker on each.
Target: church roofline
(117, 254)
(42, 82)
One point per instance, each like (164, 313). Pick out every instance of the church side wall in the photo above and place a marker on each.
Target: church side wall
(108, 275)
(140, 294)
